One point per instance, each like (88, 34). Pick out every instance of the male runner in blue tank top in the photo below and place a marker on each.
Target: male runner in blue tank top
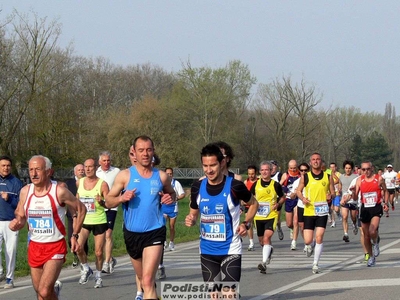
(217, 200)
(146, 188)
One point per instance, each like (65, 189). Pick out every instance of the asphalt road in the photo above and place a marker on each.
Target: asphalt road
(289, 275)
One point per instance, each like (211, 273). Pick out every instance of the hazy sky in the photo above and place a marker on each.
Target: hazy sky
(347, 49)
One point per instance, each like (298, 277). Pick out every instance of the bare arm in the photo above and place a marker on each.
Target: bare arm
(114, 197)
(299, 191)
(78, 212)
(168, 196)
(191, 218)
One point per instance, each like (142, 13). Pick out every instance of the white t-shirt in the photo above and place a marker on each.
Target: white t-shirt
(109, 177)
(390, 179)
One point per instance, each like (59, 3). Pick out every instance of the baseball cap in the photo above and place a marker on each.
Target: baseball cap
(389, 166)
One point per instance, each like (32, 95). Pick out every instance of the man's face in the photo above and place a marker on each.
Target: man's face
(251, 174)
(132, 156)
(274, 169)
(169, 172)
(90, 168)
(144, 152)
(348, 170)
(366, 169)
(105, 162)
(333, 168)
(265, 172)
(37, 171)
(292, 166)
(211, 167)
(5, 167)
(315, 161)
(79, 171)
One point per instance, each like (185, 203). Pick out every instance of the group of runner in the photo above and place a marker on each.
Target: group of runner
(311, 194)
(306, 192)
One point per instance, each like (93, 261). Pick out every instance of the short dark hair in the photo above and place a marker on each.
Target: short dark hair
(348, 162)
(228, 151)
(6, 157)
(212, 150)
(143, 138)
(252, 167)
(304, 164)
(169, 168)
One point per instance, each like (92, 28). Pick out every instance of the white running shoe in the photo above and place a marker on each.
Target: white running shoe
(57, 288)
(315, 269)
(112, 264)
(106, 268)
(85, 275)
(98, 283)
(293, 245)
(171, 246)
(333, 224)
(309, 250)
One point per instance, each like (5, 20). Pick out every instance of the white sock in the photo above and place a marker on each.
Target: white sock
(251, 242)
(85, 266)
(97, 274)
(266, 252)
(139, 293)
(317, 252)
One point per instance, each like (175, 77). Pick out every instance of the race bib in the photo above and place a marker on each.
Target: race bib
(370, 199)
(89, 203)
(213, 227)
(321, 209)
(41, 221)
(263, 209)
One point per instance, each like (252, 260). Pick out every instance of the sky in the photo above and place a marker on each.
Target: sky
(348, 50)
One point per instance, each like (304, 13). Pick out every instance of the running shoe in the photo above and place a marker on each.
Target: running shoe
(293, 245)
(387, 214)
(57, 288)
(9, 283)
(171, 246)
(161, 273)
(263, 268)
(280, 232)
(366, 258)
(98, 283)
(375, 250)
(355, 229)
(106, 268)
(139, 297)
(333, 224)
(112, 264)
(315, 269)
(305, 249)
(346, 238)
(309, 250)
(270, 255)
(250, 248)
(75, 261)
(85, 275)
(371, 262)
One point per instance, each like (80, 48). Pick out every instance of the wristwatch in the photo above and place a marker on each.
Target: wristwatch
(247, 224)
(75, 235)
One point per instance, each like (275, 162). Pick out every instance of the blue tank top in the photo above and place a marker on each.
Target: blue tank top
(219, 219)
(143, 213)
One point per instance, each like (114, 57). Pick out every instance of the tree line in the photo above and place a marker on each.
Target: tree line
(69, 108)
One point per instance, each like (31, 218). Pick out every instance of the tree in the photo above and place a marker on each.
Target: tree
(26, 71)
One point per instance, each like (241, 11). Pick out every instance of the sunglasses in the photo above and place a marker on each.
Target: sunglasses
(366, 169)
(303, 170)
